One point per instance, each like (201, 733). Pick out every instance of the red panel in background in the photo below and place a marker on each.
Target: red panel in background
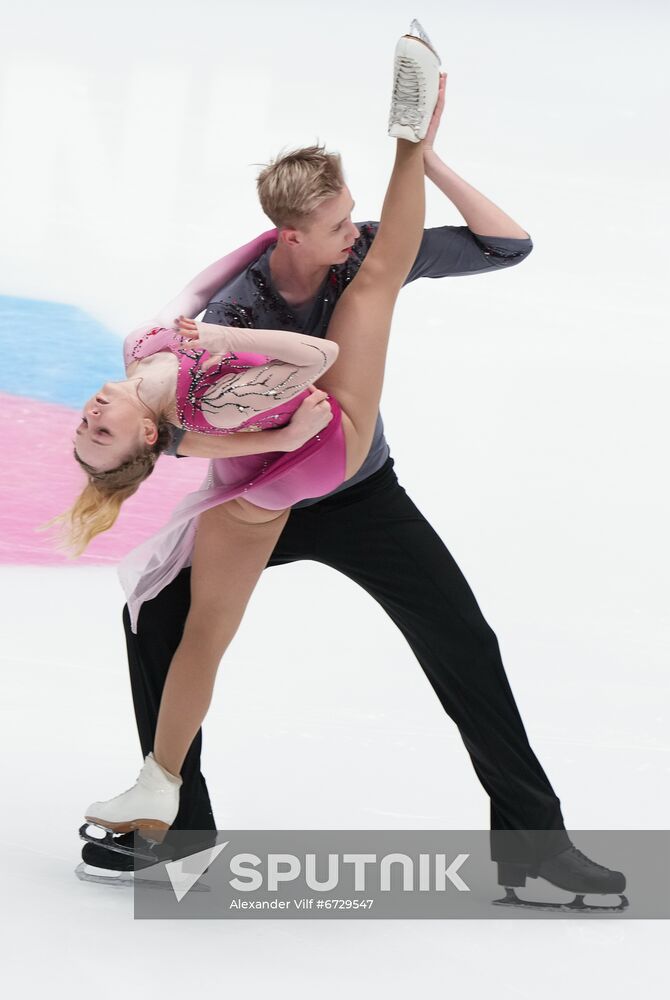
(41, 479)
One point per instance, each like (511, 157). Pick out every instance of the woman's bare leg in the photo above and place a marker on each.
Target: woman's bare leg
(232, 547)
(361, 321)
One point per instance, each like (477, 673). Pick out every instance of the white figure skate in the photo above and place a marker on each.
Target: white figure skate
(416, 82)
(149, 807)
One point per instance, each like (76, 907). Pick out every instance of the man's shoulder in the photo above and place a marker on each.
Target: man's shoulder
(240, 301)
(236, 303)
(246, 280)
(258, 272)
(251, 300)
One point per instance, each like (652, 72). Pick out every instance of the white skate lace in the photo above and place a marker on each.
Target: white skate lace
(145, 782)
(137, 781)
(409, 93)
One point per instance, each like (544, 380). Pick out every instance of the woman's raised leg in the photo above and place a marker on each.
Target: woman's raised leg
(361, 322)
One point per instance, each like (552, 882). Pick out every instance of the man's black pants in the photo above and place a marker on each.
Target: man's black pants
(375, 535)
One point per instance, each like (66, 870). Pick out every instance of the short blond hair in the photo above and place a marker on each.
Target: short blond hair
(297, 182)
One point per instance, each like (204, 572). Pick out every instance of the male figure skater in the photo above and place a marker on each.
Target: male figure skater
(369, 529)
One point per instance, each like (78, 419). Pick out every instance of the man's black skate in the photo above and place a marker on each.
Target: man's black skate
(570, 870)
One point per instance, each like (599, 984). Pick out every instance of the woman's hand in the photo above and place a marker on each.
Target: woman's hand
(188, 328)
(204, 337)
(313, 414)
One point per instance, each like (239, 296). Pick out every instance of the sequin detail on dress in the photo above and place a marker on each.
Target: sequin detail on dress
(237, 382)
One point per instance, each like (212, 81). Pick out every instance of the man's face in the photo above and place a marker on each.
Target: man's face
(328, 233)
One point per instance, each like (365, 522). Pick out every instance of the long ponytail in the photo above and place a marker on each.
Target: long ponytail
(98, 505)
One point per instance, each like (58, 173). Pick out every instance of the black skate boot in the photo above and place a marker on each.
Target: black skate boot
(118, 859)
(110, 863)
(570, 870)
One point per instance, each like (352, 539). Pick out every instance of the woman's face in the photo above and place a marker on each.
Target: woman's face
(113, 427)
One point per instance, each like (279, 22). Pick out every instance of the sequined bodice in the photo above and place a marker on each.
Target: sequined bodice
(196, 391)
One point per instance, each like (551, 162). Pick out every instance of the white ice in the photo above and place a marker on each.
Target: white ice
(130, 135)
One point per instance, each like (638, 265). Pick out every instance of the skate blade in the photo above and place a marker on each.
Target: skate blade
(575, 903)
(418, 32)
(87, 873)
(160, 880)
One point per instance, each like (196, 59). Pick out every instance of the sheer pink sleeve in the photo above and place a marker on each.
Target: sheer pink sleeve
(313, 353)
(251, 371)
(148, 340)
(196, 295)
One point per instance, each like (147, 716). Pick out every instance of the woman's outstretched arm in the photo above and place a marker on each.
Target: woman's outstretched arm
(196, 295)
(298, 349)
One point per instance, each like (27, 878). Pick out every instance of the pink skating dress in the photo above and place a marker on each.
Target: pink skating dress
(272, 480)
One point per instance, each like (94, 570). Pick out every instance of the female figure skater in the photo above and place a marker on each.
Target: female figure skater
(218, 380)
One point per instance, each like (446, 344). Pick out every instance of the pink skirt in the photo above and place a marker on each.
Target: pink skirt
(272, 480)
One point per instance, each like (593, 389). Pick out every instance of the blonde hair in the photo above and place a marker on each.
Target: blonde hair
(296, 183)
(98, 505)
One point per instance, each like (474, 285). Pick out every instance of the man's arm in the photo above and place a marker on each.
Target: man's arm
(491, 239)
(480, 214)
(448, 251)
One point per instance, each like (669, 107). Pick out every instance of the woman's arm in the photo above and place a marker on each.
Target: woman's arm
(313, 414)
(242, 390)
(296, 348)
(197, 445)
(196, 295)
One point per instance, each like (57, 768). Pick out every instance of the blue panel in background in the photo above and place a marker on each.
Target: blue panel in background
(55, 352)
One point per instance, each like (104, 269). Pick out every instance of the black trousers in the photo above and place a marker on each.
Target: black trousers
(375, 535)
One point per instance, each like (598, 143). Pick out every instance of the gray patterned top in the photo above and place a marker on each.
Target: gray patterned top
(250, 300)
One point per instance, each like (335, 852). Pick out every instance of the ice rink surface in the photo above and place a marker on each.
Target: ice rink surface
(130, 135)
